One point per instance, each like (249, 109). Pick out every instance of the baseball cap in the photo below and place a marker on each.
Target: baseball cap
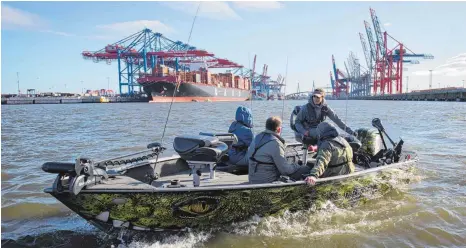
(319, 92)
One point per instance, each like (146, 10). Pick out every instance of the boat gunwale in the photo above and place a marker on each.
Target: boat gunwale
(245, 186)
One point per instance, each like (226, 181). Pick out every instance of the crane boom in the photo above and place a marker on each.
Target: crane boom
(370, 38)
(347, 72)
(366, 52)
(378, 32)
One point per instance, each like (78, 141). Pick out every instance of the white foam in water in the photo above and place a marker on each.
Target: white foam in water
(185, 240)
(313, 223)
(298, 224)
(329, 219)
(310, 224)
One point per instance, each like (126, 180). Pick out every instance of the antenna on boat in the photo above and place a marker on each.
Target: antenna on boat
(178, 82)
(284, 90)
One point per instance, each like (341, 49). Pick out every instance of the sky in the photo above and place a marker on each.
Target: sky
(43, 41)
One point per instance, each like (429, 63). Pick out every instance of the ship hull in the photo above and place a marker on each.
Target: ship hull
(193, 92)
(116, 206)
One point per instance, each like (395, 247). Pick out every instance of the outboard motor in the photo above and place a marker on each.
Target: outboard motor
(374, 150)
(389, 155)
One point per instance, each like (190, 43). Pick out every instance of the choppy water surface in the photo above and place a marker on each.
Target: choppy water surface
(430, 211)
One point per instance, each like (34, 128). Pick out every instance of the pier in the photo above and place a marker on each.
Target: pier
(70, 100)
(454, 94)
(443, 94)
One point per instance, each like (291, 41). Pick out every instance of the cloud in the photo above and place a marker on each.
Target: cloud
(125, 28)
(455, 66)
(13, 18)
(387, 24)
(258, 6)
(58, 33)
(211, 10)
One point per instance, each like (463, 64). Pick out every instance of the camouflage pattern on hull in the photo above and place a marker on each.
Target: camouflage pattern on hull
(207, 209)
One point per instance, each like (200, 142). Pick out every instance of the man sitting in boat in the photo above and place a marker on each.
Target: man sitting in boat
(334, 155)
(315, 112)
(266, 154)
(242, 128)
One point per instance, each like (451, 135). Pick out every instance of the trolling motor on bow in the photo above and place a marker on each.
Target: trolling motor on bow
(389, 154)
(76, 176)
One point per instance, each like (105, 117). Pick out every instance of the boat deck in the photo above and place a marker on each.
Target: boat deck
(221, 179)
(120, 182)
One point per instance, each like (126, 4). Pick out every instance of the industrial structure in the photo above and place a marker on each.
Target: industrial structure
(138, 54)
(146, 54)
(384, 65)
(263, 86)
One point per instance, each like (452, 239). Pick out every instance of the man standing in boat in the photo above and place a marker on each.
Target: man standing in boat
(334, 156)
(315, 112)
(267, 161)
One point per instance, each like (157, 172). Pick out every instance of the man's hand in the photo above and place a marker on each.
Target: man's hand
(311, 180)
(306, 133)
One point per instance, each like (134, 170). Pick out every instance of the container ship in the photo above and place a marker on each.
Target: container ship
(195, 85)
(169, 70)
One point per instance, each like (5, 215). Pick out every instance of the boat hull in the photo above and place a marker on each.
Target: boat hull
(188, 92)
(177, 208)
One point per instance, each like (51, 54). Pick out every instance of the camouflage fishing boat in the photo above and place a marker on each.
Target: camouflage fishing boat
(147, 192)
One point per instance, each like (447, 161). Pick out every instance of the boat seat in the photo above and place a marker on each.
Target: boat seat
(200, 148)
(227, 138)
(58, 168)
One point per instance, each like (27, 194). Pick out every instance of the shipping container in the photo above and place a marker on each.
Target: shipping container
(209, 77)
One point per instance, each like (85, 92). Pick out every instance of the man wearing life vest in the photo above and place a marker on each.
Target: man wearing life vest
(267, 161)
(315, 112)
(334, 155)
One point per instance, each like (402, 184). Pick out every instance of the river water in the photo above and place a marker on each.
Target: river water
(428, 212)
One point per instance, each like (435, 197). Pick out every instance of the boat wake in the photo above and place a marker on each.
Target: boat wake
(331, 217)
(323, 220)
(345, 216)
(184, 240)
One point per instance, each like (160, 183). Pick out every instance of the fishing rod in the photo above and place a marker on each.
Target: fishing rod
(154, 148)
(178, 82)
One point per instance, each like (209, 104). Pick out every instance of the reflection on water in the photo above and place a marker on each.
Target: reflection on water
(430, 211)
